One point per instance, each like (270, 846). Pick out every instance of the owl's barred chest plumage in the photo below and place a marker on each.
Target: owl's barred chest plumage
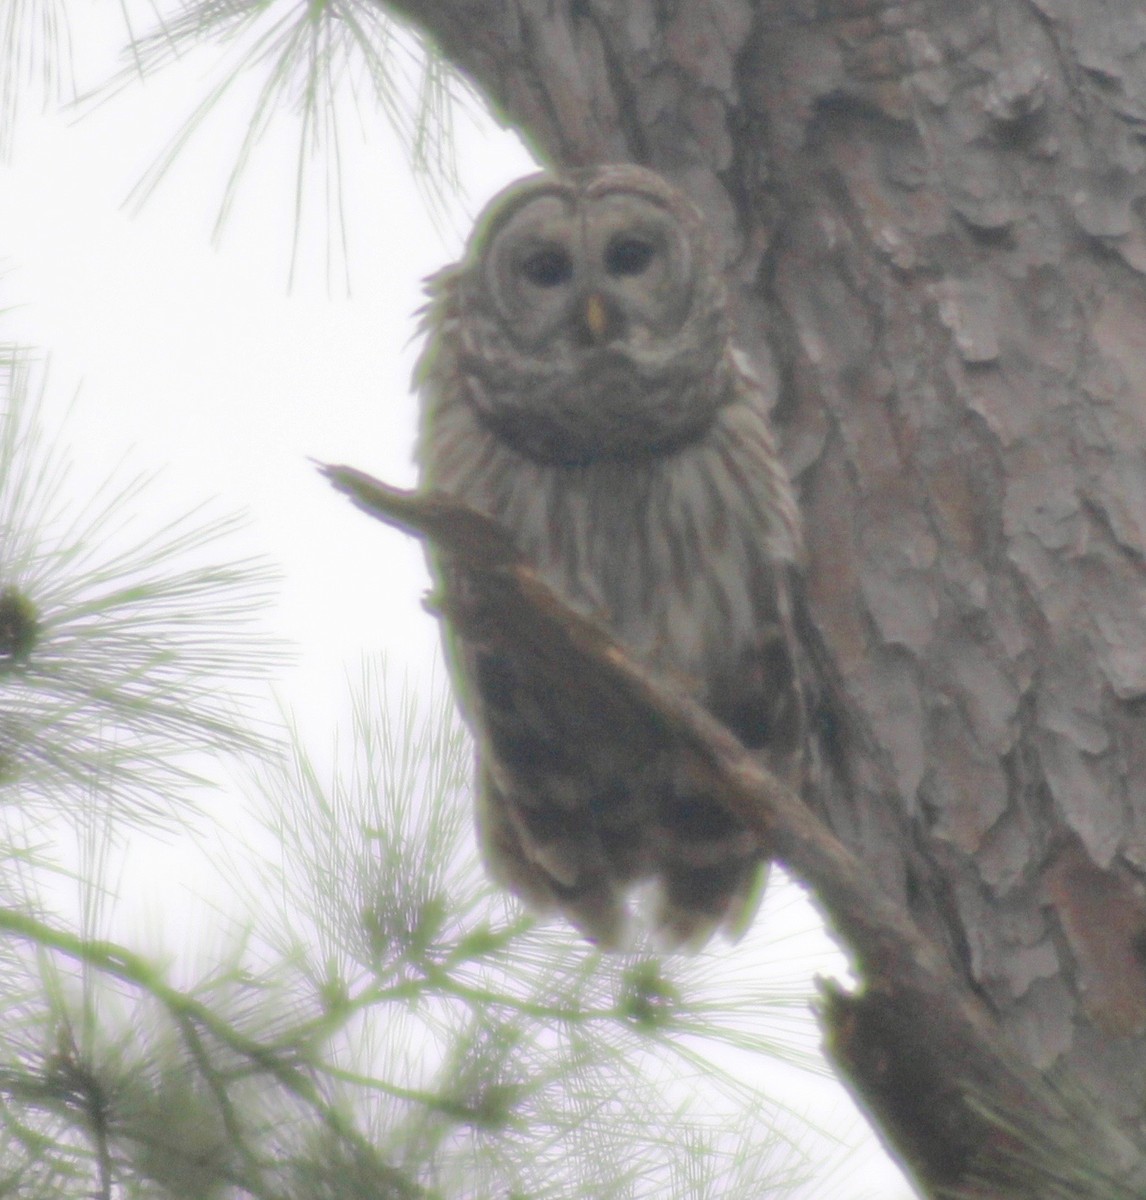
(679, 555)
(648, 495)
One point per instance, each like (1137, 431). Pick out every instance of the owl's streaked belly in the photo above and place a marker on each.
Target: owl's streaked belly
(677, 555)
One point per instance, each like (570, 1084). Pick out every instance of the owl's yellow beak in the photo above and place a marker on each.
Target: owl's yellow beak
(596, 317)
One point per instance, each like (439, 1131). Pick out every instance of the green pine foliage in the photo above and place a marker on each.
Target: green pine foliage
(325, 69)
(123, 646)
(385, 1025)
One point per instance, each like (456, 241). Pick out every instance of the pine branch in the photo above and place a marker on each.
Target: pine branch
(196, 1023)
(922, 1054)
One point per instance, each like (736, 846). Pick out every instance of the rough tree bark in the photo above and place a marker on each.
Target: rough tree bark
(934, 211)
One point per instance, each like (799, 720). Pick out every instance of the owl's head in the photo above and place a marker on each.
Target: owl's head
(592, 317)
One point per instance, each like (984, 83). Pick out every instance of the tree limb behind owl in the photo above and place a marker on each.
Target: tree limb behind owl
(579, 385)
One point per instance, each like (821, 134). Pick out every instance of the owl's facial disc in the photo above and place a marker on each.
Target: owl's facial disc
(585, 273)
(596, 330)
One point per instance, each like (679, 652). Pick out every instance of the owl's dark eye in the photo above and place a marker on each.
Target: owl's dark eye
(628, 256)
(547, 267)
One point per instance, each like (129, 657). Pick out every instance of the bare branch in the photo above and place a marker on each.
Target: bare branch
(921, 1052)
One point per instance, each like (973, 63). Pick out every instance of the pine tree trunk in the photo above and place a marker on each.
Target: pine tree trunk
(935, 215)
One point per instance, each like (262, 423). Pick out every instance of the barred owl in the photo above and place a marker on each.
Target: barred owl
(579, 386)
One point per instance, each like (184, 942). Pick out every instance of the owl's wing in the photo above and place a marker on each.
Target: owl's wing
(775, 699)
(710, 871)
(547, 868)
(571, 814)
(558, 802)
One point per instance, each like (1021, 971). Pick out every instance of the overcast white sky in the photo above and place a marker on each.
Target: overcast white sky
(197, 363)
